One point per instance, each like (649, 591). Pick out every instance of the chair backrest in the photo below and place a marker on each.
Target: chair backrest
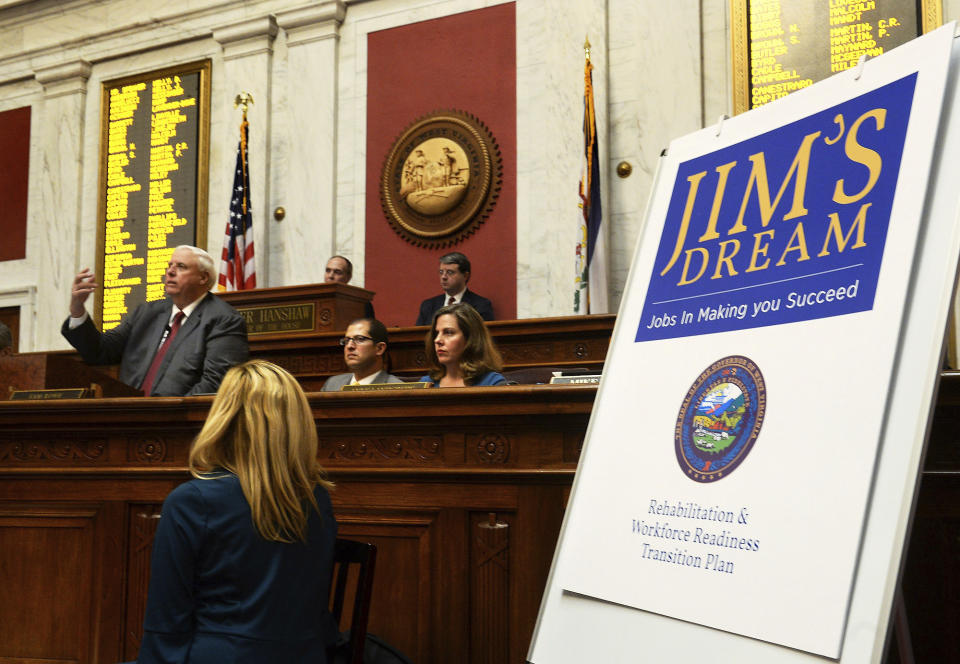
(363, 555)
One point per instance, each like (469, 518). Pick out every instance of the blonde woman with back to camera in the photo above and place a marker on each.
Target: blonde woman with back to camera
(243, 554)
(460, 350)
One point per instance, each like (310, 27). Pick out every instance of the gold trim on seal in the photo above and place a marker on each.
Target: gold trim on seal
(441, 179)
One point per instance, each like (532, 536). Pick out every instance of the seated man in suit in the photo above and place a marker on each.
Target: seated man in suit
(364, 351)
(454, 275)
(178, 346)
(339, 270)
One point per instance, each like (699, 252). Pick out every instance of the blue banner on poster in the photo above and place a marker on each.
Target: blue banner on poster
(784, 227)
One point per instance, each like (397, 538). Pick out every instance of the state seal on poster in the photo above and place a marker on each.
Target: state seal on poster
(720, 418)
(441, 179)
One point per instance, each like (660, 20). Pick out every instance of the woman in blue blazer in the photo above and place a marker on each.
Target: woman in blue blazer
(460, 350)
(243, 554)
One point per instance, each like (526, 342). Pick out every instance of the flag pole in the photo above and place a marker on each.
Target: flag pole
(589, 294)
(237, 269)
(243, 101)
(588, 125)
(594, 276)
(581, 289)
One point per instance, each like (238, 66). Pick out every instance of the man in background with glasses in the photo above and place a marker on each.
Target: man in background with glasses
(454, 275)
(364, 352)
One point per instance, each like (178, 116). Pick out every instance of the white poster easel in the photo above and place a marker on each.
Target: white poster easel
(806, 517)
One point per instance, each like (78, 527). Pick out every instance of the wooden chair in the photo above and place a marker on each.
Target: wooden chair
(346, 554)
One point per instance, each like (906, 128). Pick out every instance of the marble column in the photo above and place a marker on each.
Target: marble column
(247, 66)
(550, 62)
(305, 147)
(654, 94)
(55, 204)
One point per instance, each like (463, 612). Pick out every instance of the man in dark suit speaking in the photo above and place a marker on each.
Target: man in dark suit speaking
(454, 275)
(178, 346)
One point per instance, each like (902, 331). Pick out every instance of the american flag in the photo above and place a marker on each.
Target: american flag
(237, 270)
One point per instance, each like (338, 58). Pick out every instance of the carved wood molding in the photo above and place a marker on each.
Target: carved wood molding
(414, 448)
(490, 597)
(142, 520)
(409, 539)
(147, 450)
(493, 448)
(52, 451)
(325, 317)
(526, 353)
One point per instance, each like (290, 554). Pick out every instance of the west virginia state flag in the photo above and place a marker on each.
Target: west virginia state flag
(590, 295)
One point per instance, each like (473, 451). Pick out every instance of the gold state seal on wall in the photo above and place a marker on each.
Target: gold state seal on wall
(441, 179)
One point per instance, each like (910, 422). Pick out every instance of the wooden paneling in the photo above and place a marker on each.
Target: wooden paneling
(334, 306)
(400, 607)
(489, 587)
(45, 371)
(45, 591)
(535, 343)
(572, 341)
(53, 562)
(418, 473)
(142, 520)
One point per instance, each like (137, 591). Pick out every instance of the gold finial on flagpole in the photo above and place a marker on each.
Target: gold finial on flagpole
(243, 100)
(586, 48)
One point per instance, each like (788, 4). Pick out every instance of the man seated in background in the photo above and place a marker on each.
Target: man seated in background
(454, 275)
(339, 270)
(178, 346)
(364, 352)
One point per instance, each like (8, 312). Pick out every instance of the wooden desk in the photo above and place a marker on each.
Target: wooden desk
(298, 311)
(311, 352)
(418, 472)
(563, 341)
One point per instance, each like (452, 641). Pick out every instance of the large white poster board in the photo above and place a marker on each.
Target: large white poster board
(750, 463)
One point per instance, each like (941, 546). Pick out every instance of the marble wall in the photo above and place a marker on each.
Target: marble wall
(661, 70)
(655, 94)
(305, 65)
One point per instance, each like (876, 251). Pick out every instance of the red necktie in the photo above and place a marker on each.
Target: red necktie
(453, 300)
(158, 358)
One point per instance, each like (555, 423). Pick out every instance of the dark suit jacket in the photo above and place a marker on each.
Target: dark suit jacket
(219, 592)
(211, 340)
(478, 302)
